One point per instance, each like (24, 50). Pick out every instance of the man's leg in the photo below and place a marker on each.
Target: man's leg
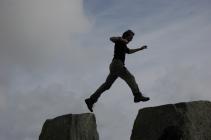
(130, 80)
(105, 86)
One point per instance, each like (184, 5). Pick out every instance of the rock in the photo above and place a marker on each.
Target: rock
(181, 121)
(70, 127)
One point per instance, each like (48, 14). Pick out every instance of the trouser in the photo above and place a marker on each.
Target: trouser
(117, 69)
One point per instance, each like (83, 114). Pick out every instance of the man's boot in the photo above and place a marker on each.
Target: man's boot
(140, 97)
(89, 104)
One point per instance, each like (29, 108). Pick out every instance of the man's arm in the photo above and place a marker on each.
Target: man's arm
(136, 50)
(115, 39)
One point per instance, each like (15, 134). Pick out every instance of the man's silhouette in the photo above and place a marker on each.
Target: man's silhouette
(118, 69)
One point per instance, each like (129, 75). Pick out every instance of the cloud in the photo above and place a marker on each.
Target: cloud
(27, 111)
(36, 31)
(37, 42)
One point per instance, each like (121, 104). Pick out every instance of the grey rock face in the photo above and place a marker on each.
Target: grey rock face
(182, 121)
(70, 127)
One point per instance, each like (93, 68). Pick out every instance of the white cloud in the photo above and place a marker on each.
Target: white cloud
(37, 38)
(33, 31)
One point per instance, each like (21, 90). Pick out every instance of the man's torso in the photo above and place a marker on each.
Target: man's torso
(120, 50)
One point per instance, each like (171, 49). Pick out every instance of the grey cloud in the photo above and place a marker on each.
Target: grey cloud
(27, 111)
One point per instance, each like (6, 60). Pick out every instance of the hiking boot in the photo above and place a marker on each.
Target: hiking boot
(89, 104)
(140, 98)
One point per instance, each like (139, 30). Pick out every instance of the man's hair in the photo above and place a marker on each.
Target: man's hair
(127, 33)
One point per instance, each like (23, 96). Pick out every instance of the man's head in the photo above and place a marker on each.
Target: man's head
(128, 35)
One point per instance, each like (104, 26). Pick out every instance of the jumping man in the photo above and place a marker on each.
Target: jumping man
(117, 69)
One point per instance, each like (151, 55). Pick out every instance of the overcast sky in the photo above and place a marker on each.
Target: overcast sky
(54, 54)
